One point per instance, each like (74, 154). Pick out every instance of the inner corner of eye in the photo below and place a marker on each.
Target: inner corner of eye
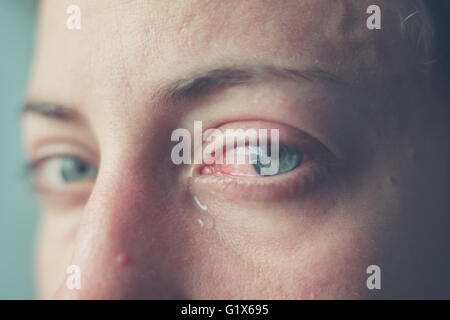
(206, 170)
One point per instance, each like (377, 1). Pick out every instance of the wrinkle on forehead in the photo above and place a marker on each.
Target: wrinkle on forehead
(266, 25)
(171, 38)
(306, 31)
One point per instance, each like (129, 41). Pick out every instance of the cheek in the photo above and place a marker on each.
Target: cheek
(208, 248)
(53, 249)
(51, 262)
(298, 257)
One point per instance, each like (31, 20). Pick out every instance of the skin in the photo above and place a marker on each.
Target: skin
(134, 231)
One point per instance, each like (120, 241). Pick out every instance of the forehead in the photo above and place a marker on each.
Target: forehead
(136, 42)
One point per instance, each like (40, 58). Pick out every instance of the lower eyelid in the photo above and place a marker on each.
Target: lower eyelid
(294, 183)
(65, 199)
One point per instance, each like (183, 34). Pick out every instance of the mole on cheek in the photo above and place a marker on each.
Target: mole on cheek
(123, 259)
(393, 180)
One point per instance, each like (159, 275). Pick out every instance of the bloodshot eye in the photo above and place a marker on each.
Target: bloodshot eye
(263, 164)
(237, 166)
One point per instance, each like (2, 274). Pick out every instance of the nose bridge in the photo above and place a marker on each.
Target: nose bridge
(114, 232)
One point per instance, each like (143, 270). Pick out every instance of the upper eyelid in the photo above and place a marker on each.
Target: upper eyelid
(60, 147)
(32, 165)
(287, 134)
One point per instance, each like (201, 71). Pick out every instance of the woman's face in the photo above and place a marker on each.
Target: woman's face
(367, 185)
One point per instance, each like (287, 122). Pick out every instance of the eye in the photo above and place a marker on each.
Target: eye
(289, 158)
(72, 169)
(56, 173)
(303, 163)
(66, 169)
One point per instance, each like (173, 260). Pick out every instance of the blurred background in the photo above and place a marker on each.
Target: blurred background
(18, 214)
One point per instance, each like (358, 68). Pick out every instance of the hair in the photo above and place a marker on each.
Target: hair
(428, 26)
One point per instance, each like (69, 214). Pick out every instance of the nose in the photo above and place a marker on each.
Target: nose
(120, 251)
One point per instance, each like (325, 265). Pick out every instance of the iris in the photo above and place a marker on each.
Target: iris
(73, 170)
(289, 159)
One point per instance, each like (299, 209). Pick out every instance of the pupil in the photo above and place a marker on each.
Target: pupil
(72, 168)
(81, 167)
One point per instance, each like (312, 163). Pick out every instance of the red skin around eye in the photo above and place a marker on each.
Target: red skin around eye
(219, 161)
(229, 166)
(241, 170)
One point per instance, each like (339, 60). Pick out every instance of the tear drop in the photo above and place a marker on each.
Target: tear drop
(206, 221)
(199, 204)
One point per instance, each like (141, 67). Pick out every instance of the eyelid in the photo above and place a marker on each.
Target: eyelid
(34, 165)
(288, 135)
(49, 148)
(52, 146)
(274, 188)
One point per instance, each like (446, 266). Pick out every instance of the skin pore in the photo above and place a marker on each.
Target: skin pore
(110, 95)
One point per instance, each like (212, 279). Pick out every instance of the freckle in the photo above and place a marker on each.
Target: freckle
(412, 154)
(393, 180)
(123, 259)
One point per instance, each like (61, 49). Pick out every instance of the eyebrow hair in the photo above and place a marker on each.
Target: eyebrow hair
(55, 111)
(199, 85)
(204, 83)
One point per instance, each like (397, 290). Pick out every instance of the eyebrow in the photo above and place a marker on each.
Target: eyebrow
(54, 111)
(200, 85)
(205, 83)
